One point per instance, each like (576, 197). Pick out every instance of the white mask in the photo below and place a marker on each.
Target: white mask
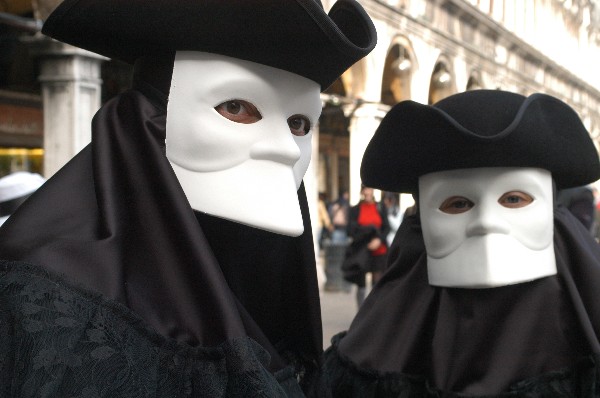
(497, 236)
(230, 162)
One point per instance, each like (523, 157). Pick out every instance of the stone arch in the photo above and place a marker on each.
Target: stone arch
(442, 82)
(354, 79)
(474, 82)
(398, 69)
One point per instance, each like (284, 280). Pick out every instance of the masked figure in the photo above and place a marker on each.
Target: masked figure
(491, 288)
(173, 256)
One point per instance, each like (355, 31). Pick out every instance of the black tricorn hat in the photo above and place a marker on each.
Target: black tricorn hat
(293, 35)
(481, 128)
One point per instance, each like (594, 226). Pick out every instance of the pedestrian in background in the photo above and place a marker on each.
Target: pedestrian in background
(335, 247)
(368, 228)
(338, 212)
(325, 225)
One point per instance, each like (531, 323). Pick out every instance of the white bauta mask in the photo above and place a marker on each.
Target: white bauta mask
(238, 138)
(487, 227)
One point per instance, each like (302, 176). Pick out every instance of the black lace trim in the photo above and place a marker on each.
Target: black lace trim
(346, 379)
(59, 340)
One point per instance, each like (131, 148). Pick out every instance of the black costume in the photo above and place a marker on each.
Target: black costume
(111, 285)
(532, 339)
(117, 234)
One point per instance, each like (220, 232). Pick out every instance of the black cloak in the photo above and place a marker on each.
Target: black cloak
(111, 284)
(533, 339)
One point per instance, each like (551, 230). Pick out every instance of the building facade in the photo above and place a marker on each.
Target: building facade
(429, 49)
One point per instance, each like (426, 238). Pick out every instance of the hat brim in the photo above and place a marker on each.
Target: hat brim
(293, 35)
(414, 139)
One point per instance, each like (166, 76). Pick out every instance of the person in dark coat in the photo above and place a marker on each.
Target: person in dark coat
(368, 227)
(173, 256)
(493, 291)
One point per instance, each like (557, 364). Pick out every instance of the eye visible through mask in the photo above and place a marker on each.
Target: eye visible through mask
(510, 200)
(241, 111)
(299, 125)
(515, 199)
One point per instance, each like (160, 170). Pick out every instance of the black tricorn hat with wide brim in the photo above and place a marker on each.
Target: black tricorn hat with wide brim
(481, 128)
(294, 35)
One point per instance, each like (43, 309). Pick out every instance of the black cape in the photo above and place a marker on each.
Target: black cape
(534, 339)
(113, 231)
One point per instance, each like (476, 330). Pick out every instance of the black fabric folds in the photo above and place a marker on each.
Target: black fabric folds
(115, 221)
(475, 342)
(61, 341)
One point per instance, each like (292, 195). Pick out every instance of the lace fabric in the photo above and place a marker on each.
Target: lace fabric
(62, 341)
(346, 379)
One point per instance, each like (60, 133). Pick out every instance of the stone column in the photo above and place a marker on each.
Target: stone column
(71, 94)
(364, 120)
(334, 172)
(311, 185)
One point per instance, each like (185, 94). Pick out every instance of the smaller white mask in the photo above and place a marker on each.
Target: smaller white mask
(231, 138)
(487, 227)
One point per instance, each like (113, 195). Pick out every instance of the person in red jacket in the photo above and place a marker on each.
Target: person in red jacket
(368, 227)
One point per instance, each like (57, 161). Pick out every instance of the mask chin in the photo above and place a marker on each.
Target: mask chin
(246, 172)
(501, 261)
(240, 200)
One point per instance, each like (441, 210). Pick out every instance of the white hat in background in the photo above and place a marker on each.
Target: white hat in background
(15, 188)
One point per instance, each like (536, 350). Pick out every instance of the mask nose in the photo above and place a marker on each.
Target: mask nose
(487, 219)
(278, 147)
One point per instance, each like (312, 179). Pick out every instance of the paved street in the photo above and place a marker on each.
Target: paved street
(337, 308)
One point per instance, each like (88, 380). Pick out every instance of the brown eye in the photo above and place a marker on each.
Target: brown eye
(515, 199)
(239, 111)
(299, 125)
(233, 107)
(456, 205)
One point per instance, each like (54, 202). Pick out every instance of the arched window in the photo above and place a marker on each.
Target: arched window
(441, 84)
(398, 68)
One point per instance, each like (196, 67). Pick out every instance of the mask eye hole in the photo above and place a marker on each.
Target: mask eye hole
(239, 111)
(456, 205)
(515, 199)
(299, 125)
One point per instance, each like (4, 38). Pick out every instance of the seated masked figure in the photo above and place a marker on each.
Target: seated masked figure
(491, 288)
(173, 256)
